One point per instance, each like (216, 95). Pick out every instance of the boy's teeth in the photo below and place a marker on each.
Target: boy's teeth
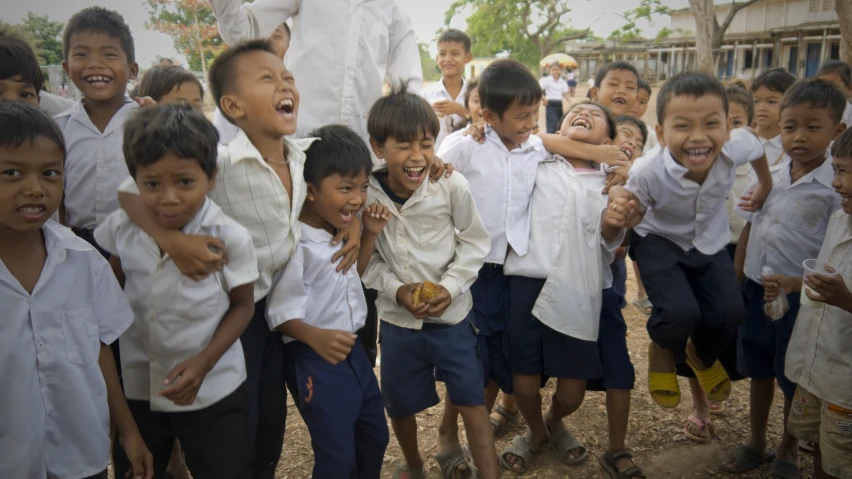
(31, 210)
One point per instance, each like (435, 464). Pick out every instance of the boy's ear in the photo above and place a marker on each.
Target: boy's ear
(311, 193)
(594, 93)
(231, 107)
(489, 116)
(841, 127)
(377, 150)
(729, 125)
(65, 68)
(468, 57)
(212, 179)
(134, 70)
(661, 139)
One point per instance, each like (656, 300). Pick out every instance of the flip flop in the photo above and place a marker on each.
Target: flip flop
(522, 448)
(643, 305)
(564, 442)
(703, 425)
(500, 427)
(609, 462)
(784, 470)
(409, 473)
(714, 378)
(659, 384)
(806, 447)
(747, 459)
(450, 461)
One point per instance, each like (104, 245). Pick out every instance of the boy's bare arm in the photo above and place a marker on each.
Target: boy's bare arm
(561, 145)
(764, 185)
(375, 217)
(115, 264)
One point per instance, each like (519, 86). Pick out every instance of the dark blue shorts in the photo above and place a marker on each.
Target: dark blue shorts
(411, 358)
(762, 346)
(490, 294)
(619, 281)
(618, 372)
(536, 349)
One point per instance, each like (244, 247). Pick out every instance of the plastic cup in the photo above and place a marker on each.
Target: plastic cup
(813, 266)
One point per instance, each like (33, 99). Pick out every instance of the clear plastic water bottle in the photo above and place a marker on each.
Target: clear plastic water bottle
(778, 307)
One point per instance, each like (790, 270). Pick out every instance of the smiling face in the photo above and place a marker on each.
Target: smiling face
(618, 91)
(186, 92)
(807, 132)
(586, 123)
(452, 58)
(641, 105)
(842, 181)
(694, 130)
(31, 185)
(737, 115)
(516, 125)
(98, 66)
(628, 137)
(173, 189)
(338, 198)
(408, 162)
(555, 71)
(14, 89)
(767, 106)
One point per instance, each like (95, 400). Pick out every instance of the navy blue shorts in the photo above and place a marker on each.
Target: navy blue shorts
(762, 345)
(618, 372)
(619, 280)
(411, 358)
(490, 294)
(536, 349)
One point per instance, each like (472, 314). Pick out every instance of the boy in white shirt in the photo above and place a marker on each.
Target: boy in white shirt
(182, 363)
(318, 311)
(435, 243)
(818, 356)
(768, 90)
(680, 242)
(62, 308)
(839, 73)
(446, 96)
(789, 229)
(555, 89)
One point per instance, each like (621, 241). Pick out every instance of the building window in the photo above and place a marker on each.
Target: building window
(814, 5)
(827, 5)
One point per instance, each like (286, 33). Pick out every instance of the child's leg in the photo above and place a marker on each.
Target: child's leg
(155, 429)
(177, 466)
(405, 431)
(481, 439)
(371, 430)
(700, 412)
(566, 400)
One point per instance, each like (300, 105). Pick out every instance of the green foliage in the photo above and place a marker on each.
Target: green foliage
(191, 25)
(43, 34)
(431, 72)
(646, 11)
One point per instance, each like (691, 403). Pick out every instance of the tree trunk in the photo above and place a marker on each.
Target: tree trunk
(200, 44)
(705, 19)
(844, 13)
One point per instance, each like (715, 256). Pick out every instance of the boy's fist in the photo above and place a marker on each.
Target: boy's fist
(374, 218)
(405, 298)
(621, 209)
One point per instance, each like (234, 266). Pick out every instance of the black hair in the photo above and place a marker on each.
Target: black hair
(222, 73)
(505, 82)
(403, 116)
(643, 85)
(17, 59)
(455, 36)
(22, 123)
(692, 84)
(339, 150)
(842, 147)
(843, 70)
(159, 80)
(643, 128)
(817, 94)
(153, 132)
(778, 80)
(739, 95)
(99, 20)
(612, 66)
(472, 86)
(610, 123)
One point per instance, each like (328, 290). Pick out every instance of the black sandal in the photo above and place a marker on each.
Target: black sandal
(609, 461)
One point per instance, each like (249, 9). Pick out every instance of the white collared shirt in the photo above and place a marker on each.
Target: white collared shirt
(681, 210)
(438, 92)
(818, 356)
(790, 227)
(437, 236)
(847, 114)
(736, 223)
(774, 150)
(55, 418)
(310, 289)
(554, 90)
(249, 191)
(94, 165)
(341, 53)
(176, 316)
(53, 104)
(652, 141)
(502, 182)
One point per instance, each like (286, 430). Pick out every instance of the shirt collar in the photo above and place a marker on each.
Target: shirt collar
(461, 92)
(774, 141)
(533, 144)
(207, 215)
(824, 174)
(78, 113)
(241, 148)
(59, 239)
(427, 188)
(314, 235)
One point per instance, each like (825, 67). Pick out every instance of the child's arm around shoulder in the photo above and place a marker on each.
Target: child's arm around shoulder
(561, 145)
(374, 218)
(458, 153)
(744, 147)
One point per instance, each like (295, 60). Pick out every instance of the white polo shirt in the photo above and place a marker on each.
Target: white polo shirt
(176, 316)
(847, 114)
(310, 289)
(774, 150)
(94, 164)
(502, 182)
(790, 227)
(227, 130)
(437, 92)
(681, 210)
(54, 417)
(553, 89)
(437, 236)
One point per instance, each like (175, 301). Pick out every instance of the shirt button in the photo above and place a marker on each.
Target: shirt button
(40, 345)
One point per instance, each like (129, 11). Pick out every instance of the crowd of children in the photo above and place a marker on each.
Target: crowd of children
(167, 278)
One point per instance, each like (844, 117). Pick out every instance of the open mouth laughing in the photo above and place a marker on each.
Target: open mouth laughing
(581, 122)
(414, 173)
(697, 155)
(98, 81)
(32, 212)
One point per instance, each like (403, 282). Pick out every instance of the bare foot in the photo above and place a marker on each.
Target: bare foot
(517, 462)
(692, 354)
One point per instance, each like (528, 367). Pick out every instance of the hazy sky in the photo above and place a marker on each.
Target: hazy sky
(428, 16)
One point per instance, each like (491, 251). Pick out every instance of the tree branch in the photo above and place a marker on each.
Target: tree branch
(735, 8)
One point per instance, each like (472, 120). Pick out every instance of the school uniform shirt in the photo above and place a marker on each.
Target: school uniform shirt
(227, 130)
(55, 418)
(682, 211)
(311, 290)
(652, 141)
(502, 182)
(436, 235)
(847, 114)
(791, 225)
(437, 92)
(53, 104)
(774, 150)
(554, 90)
(818, 356)
(342, 52)
(176, 316)
(250, 192)
(94, 164)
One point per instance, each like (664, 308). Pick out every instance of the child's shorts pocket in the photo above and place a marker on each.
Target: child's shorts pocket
(81, 336)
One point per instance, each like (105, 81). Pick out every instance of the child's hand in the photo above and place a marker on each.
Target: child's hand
(620, 252)
(829, 289)
(621, 209)
(141, 460)
(448, 107)
(439, 168)
(753, 200)
(616, 178)
(197, 256)
(612, 155)
(404, 299)
(332, 345)
(375, 217)
(476, 131)
(775, 284)
(351, 237)
(440, 303)
(182, 382)
(145, 101)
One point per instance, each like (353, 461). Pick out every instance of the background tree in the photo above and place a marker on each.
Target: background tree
(526, 30)
(646, 11)
(844, 14)
(45, 36)
(192, 27)
(431, 72)
(709, 33)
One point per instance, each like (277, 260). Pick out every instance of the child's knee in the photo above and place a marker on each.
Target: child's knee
(675, 323)
(568, 400)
